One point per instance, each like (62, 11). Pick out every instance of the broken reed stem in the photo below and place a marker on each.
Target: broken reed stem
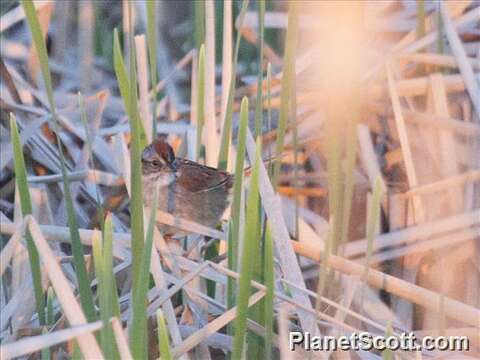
(72, 310)
(32, 344)
(458, 180)
(416, 294)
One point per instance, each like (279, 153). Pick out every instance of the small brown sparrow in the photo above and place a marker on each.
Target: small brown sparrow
(187, 189)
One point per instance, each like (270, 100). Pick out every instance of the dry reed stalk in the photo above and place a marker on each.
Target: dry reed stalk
(425, 246)
(95, 176)
(17, 14)
(142, 75)
(302, 191)
(349, 288)
(310, 293)
(418, 86)
(339, 308)
(177, 287)
(20, 270)
(453, 181)
(437, 59)
(121, 339)
(412, 233)
(442, 122)
(283, 332)
(9, 249)
(65, 296)
(430, 38)
(395, 286)
(369, 159)
(406, 87)
(161, 283)
(405, 145)
(288, 261)
(213, 143)
(36, 343)
(190, 226)
(294, 305)
(212, 327)
(61, 233)
(448, 156)
(395, 157)
(352, 249)
(126, 26)
(459, 52)
(18, 305)
(467, 110)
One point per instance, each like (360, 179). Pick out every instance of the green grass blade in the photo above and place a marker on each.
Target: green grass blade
(387, 354)
(50, 312)
(250, 247)
(152, 55)
(373, 221)
(133, 81)
(163, 342)
(125, 86)
(108, 261)
(286, 94)
(50, 320)
(238, 188)
(269, 278)
(136, 207)
(230, 262)
(138, 331)
(86, 297)
(121, 73)
(350, 160)
(107, 340)
(39, 43)
(256, 343)
(334, 175)
(26, 206)
(269, 115)
(200, 98)
(45, 354)
(293, 117)
(227, 122)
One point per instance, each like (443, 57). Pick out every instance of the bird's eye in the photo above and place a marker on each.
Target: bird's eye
(156, 163)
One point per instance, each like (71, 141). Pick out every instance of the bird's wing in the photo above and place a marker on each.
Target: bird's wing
(195, 177)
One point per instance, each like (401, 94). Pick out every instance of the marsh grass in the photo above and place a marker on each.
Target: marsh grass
(240, 295)
(86, 296)
(26, 206)
(249, 255)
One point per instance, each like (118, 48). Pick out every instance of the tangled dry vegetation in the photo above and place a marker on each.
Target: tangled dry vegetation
(365, 215)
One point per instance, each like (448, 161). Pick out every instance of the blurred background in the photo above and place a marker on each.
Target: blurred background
(368, 113)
